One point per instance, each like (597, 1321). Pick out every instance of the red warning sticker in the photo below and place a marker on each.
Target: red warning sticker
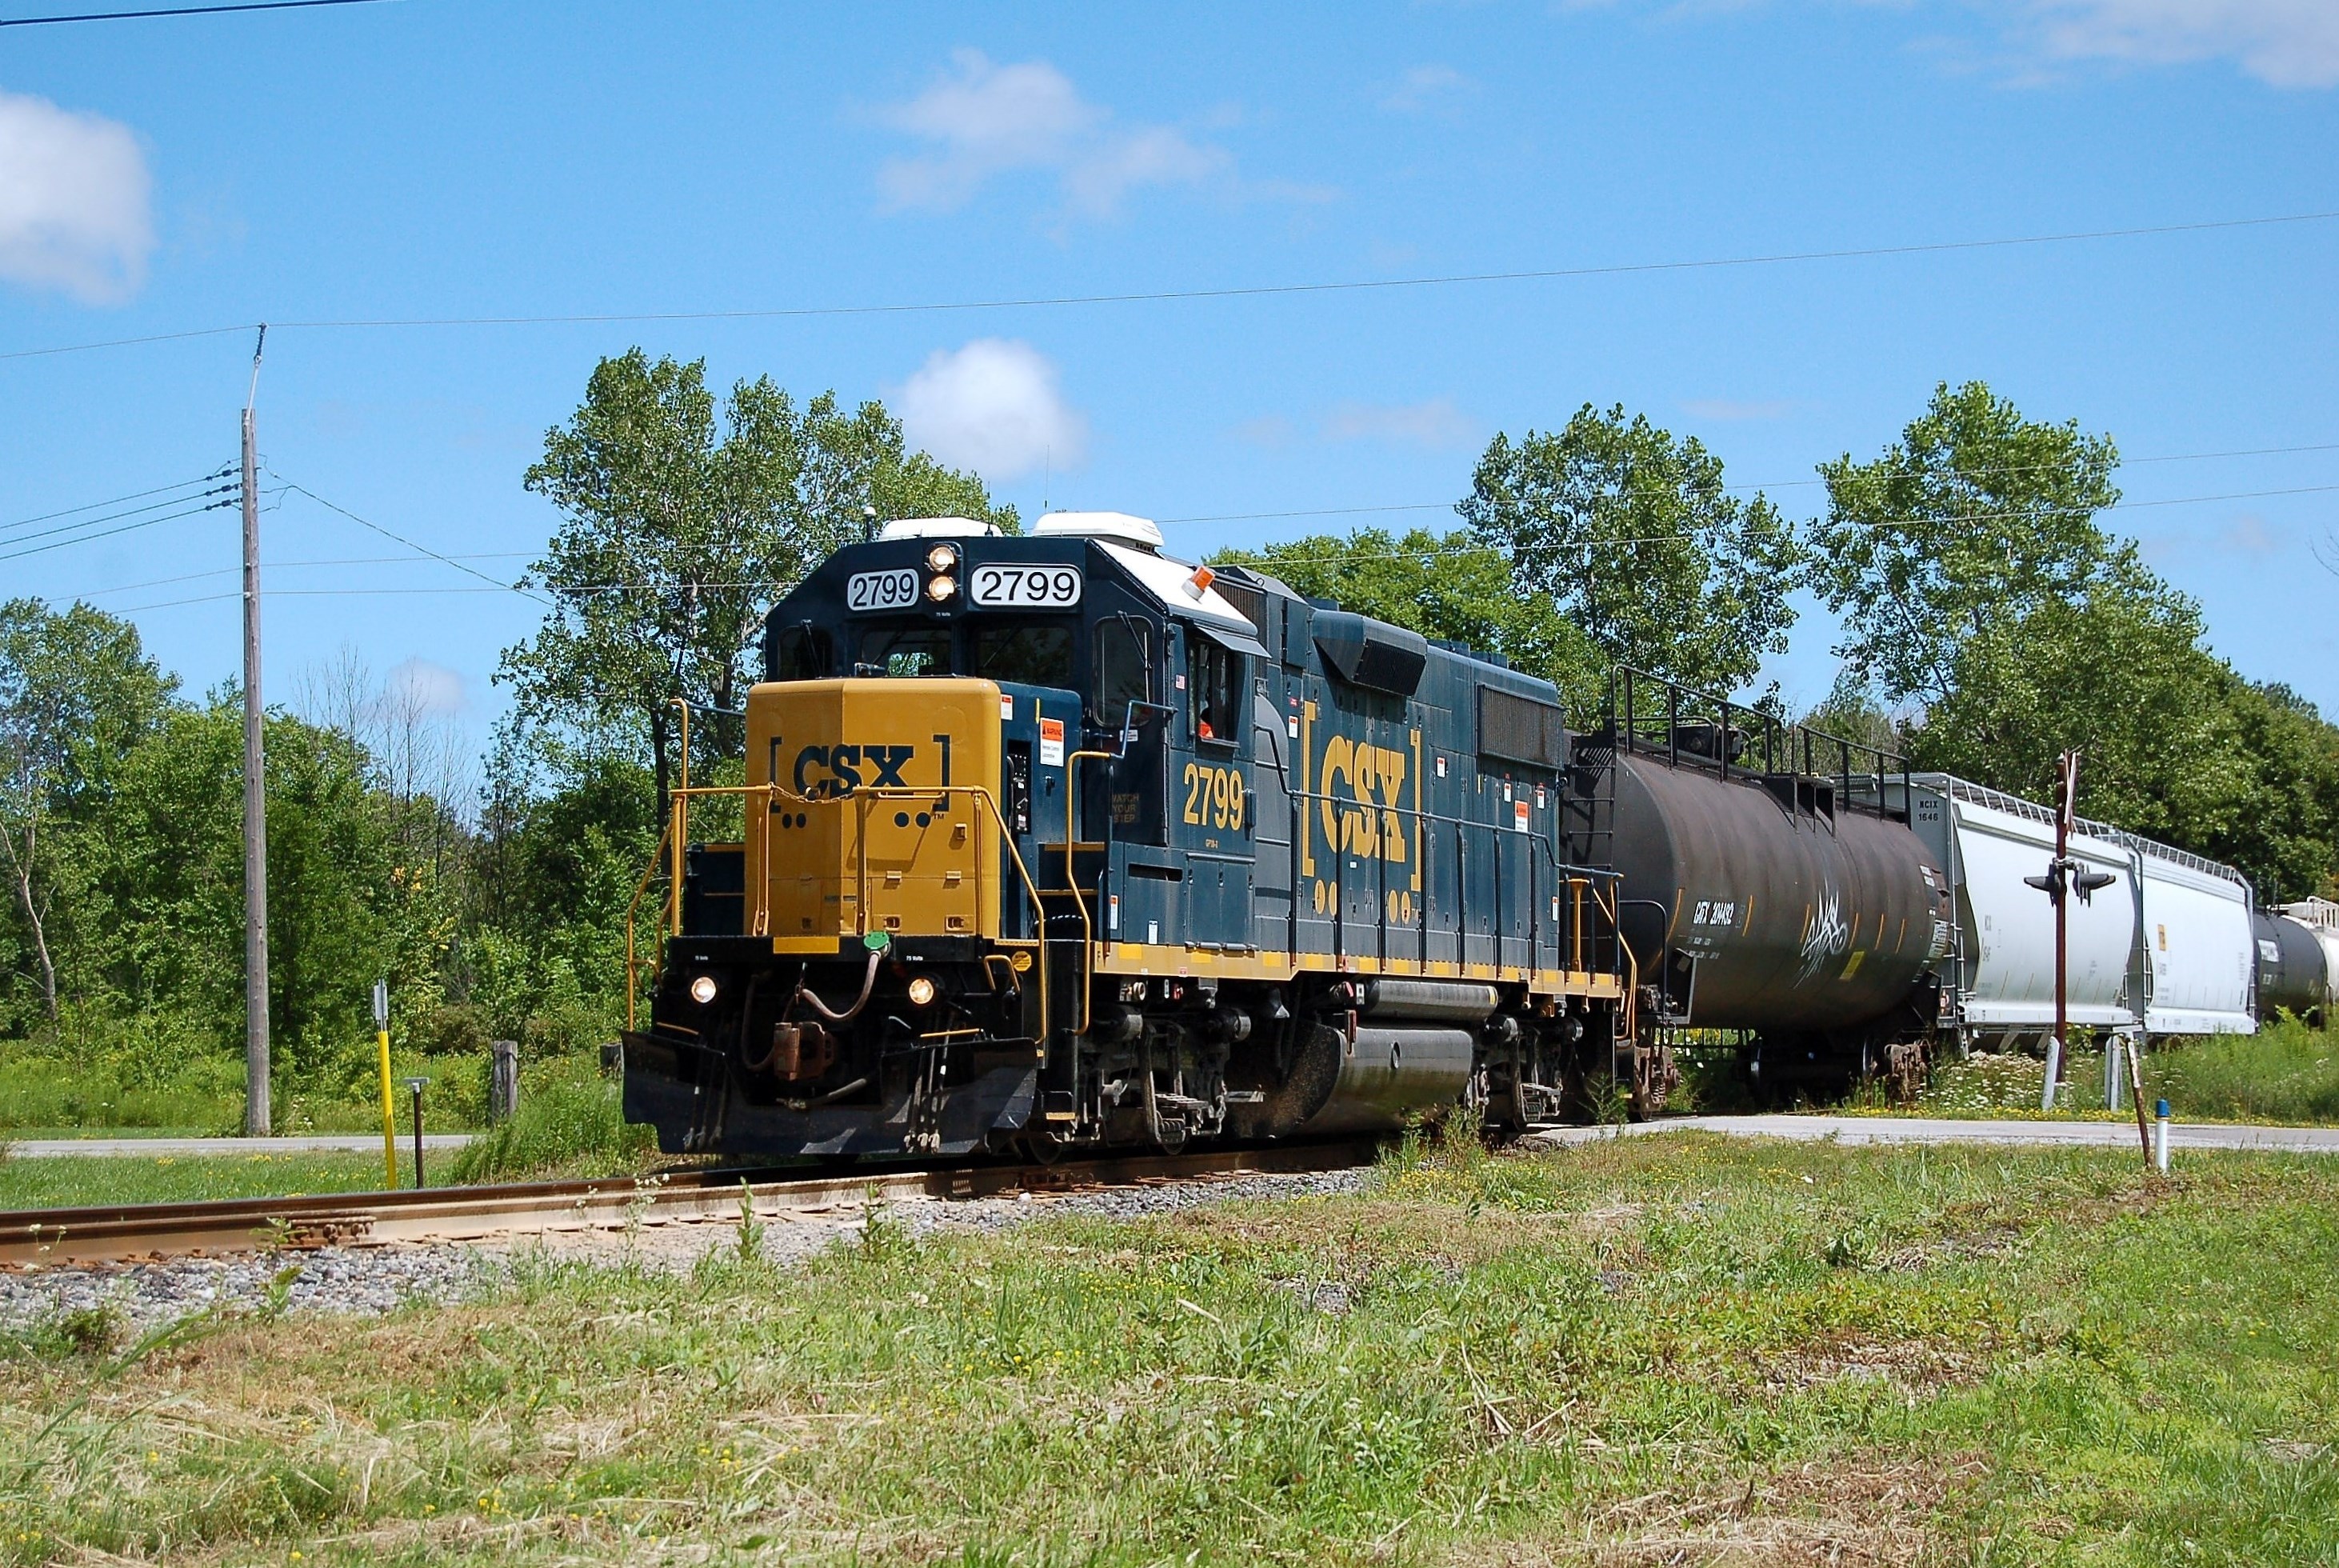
(1052, 743)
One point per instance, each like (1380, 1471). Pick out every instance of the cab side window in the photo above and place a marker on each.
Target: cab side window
(1214, 682)
(804, 653)
(1124, 654)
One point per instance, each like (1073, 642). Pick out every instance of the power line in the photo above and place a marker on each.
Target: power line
(135, 496)
(409, 544)
(177, 11)
(1773, 485)
(126, 528)
(1267, 556)
(290, 566)
(117, 517)
(493, 585)
(1236, 291)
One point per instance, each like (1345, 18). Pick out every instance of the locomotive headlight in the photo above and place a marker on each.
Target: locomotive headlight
(702, 989)
(941, 559)
(921, 991)
(940, 589)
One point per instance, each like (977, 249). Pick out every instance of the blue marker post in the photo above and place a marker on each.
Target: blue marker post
(2160, 1138)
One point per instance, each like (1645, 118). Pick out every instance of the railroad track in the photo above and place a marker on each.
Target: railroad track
(122, 1233)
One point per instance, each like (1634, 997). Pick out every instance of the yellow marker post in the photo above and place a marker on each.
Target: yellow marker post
(389, 1111)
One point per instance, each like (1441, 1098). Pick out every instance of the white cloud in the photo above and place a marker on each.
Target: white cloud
(983, 120)
(1272, 431)
(421, 686)
(992, 406)
(75, 201)
(1156, 155)
(2285, 43)
(1422, 85)
(2248, 534)
(1436, 424)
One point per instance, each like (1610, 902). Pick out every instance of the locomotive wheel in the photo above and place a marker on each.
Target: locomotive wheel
(1042, 1148)
(1906, 1071)
(1653, 1077)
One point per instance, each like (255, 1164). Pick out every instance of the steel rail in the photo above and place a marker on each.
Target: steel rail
(124, 1233)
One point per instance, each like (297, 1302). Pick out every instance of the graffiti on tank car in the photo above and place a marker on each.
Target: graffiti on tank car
(1824, 935)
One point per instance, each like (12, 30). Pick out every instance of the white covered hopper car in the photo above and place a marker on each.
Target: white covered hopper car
(2167, 947)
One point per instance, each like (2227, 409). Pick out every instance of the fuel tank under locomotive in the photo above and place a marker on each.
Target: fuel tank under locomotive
(1761, 902)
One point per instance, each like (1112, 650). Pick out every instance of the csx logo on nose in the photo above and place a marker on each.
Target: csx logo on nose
(824, 772)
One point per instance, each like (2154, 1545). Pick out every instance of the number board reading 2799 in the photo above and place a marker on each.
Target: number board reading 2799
(1027, 588)
(894, 590)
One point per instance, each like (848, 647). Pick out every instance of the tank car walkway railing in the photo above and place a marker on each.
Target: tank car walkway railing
(2015, 805)
(1576, 889)
(759, 902)
(1649, 715)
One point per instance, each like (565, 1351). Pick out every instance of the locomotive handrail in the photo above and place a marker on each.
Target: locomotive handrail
(633, 969)
(1562, 872)
(678, 817)
(1071, 872)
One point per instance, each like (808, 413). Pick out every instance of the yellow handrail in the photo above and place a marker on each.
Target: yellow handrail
(676, 823)
(1632, 967)
(680, 799)
(641, 887)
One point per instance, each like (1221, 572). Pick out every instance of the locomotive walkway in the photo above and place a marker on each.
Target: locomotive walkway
(1947, 1129)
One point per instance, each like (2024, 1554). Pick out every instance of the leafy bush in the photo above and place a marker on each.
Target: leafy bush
(570, 1124)
(2287, 1073)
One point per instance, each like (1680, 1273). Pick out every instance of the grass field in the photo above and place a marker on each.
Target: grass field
(73, 1182)
(1679, 1349)
(2287, 1073)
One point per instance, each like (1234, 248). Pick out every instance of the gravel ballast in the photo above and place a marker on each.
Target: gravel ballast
(371, 1280)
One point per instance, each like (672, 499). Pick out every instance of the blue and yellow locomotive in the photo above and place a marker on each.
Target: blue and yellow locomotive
(1053, 841)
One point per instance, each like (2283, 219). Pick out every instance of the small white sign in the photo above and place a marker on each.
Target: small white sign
(1519, 815)
(1052, 743)
(894, 590)
(1006, 706)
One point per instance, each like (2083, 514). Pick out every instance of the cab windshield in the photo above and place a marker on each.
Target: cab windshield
(911, 649)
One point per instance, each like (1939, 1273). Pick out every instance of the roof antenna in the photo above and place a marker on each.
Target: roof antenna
(1048, 473)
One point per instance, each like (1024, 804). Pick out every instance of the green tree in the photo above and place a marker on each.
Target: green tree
(78, 692)
(679, 526)
(1976, 518)
(2116, 673)
(1973, 578)
(1442, 585)
(1635, 538)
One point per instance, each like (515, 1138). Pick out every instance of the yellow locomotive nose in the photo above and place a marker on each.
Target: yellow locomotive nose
(883, 819)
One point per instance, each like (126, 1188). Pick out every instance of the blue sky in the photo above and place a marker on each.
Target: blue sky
(435, 158)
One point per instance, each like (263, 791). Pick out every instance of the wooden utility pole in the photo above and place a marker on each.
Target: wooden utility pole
(255, 792)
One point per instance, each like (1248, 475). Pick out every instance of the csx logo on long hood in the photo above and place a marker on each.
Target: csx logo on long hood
(825, 772)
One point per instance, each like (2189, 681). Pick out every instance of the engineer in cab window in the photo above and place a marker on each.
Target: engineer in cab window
(1214, 674)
